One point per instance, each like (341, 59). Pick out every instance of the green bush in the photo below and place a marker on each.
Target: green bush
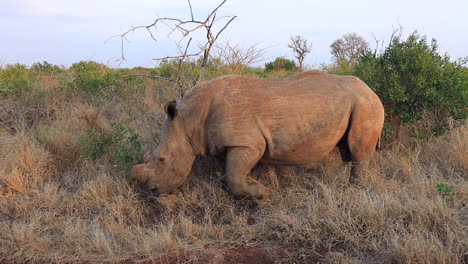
(187, 73)
(16, 79)
(45, 67)
(121, 145)
(281, 64)
(413, 79)
(170, 68)
(167, 70)
(95, 79)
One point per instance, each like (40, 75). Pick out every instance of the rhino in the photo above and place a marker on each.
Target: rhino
(295, 120)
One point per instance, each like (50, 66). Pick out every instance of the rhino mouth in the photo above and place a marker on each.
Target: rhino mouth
(146, 189)
(142, 176)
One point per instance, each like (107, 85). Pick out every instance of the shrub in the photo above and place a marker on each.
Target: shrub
(45, 67)
(186, 73)
(15, 79)
(95, 79)
(121, 144)
(167, 70)
(412, 79)
(281, 64)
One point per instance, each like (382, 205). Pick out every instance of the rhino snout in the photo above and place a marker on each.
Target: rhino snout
(152, 191)
(140, 172)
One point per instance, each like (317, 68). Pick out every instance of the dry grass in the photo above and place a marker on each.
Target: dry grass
(56, 207)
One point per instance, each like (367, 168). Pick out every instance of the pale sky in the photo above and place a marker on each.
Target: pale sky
(66, 31)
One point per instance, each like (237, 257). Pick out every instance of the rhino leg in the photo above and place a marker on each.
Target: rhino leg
(363, 134)
(357, 169)
(361, 152)
(362, 142)
(239, 163)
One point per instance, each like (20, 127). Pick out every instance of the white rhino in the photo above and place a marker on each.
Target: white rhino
(291, 121)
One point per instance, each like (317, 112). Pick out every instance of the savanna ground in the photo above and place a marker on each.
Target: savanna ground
(69, 137)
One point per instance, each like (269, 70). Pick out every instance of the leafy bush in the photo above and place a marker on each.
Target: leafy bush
(15, 79)
(167, 69)
(187, 73)
(45, 67)
(95, 79)
(281, 64)
(412, 78)
(170, 68)
(122, 145)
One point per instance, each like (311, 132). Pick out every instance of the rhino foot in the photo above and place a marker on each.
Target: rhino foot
(251, 189)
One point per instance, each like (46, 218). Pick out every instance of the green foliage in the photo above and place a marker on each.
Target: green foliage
(186, 72)
(125, 84)
(122, 145)
(419, 133)
(170, 69)
(386, 131)
(219, 175)
(95, 79)
(281, 64)
(88, 77)
(45, 67)
(167, 69)
(340, 67)
(412, 78)
(444, 190)
(438, 130)
(15, 79)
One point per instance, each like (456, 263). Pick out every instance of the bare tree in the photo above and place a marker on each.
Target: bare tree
(236, 57)
(212, 26)
(300, 47)
(348, 48)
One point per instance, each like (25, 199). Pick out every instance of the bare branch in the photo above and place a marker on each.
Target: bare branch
(185, 28)
(184, 55)
(216, 9)
(149, 76)
(300, 47)
(347, 49)
(235, 57)
(191, 11)
(396, 33)
(180, 56)
(376, 44)
(225, 26)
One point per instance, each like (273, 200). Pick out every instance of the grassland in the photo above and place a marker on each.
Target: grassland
(58, 203)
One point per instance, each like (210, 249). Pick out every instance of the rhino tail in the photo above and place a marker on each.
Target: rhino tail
(378, 145)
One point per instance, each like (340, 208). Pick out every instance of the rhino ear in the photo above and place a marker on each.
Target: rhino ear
(171, 110)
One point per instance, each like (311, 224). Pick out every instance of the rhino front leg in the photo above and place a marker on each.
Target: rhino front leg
(239, 163)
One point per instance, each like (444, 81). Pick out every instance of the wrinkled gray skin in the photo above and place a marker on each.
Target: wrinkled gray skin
(289, 121)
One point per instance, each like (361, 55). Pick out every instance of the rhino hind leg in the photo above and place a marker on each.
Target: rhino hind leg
(239, 163)
(362, 143)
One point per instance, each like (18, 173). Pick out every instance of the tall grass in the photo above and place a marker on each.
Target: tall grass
(56, 206)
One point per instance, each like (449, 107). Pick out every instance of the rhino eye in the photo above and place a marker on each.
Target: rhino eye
(161, 159)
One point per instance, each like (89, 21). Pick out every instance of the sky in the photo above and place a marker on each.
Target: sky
(63, 32)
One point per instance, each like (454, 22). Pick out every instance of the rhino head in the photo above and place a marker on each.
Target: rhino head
(166, 168)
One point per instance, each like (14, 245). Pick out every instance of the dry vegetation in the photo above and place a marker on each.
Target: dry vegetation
(56, 206)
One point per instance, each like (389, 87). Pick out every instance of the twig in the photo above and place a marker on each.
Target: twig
(185, 27)
(149, 76)
(191, 12)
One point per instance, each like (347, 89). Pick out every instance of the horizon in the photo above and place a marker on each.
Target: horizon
(66, 33)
